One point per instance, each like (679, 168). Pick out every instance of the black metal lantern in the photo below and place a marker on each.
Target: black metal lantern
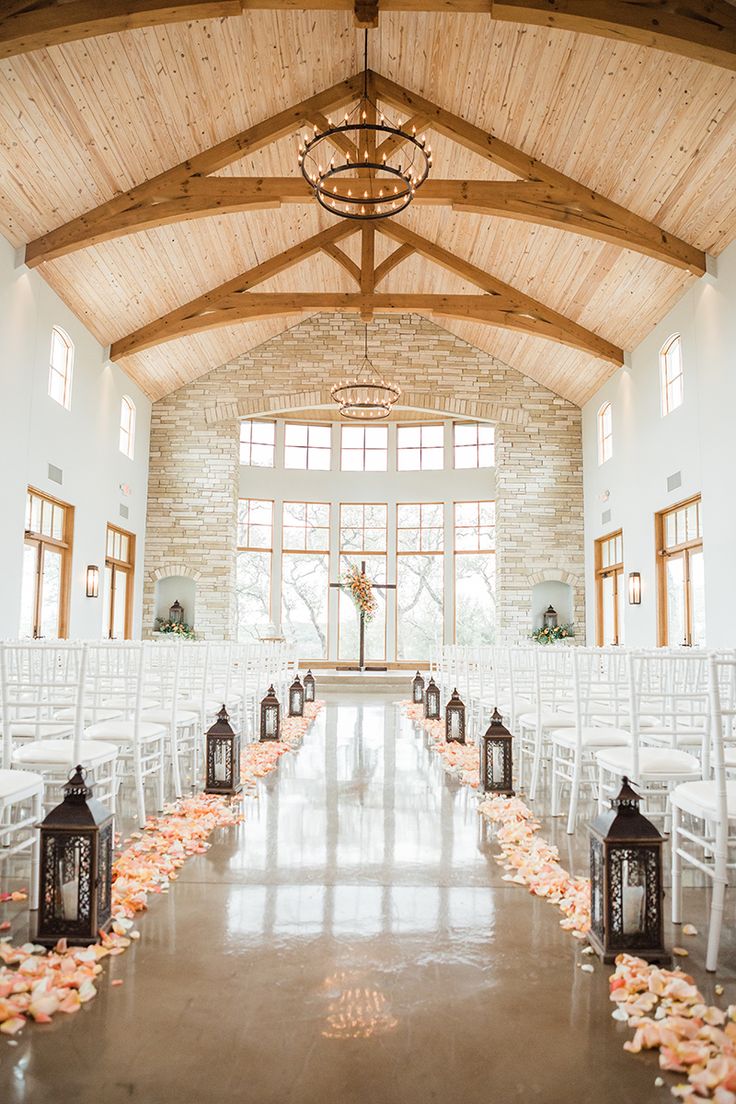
(176, 613)
(496, 758)
(75, 889)
(223, 757)
(296, 698)
(550, 618)
(270, 716)
(455, 719)
(626, 881)
(417, 689)
(309, 687)
(432, 701)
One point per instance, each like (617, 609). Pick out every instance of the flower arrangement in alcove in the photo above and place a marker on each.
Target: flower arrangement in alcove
(553, 633)
(175, 628)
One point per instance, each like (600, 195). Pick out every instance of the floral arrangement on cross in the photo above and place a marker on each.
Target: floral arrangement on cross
(357, 583)
(175, 628)
(552, 633)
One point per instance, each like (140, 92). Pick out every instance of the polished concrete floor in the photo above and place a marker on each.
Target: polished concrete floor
(352, 942)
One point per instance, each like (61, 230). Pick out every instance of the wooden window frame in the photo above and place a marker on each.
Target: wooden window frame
(440, 553)
(68, 372)
(665, 382)
(663, 553)
(126, 403)
(308, 552)
(467, 551)
(126, 567)
(477, 466)
(40, 541)
(266, 551)
(364, 449)
(303, 502)
(248, 546)
(308, 447)
(272, 445)
(617, 571)
(605, 440)
(422, 448)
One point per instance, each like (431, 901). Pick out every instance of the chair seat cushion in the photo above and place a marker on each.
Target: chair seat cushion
(549, 719)
(211, 705)
(91, 715)
(17, 784)
(163, 716)
(30, 730)
(591, 736)
(664, 737)
(61, 752)
(123, 732)
(699, 798)
(661, 763)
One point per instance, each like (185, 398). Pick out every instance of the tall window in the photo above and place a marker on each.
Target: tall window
(253, 568)
(257, 444)
(475, 572)
(61, 363)
(305, 577)
(420, 448)
(420, 542)
(46, 567)
(363, 537)
(307, 446)
(127, 426)
(119, 567)
(609, 581)
(681, 581)
(671, 374)
(364, 448)
(474, 445)
(605, 433)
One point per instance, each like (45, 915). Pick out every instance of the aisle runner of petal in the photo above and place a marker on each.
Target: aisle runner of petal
(692, 1037)
(36, 983)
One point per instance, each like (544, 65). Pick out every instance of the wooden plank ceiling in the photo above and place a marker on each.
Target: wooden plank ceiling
(652, 131)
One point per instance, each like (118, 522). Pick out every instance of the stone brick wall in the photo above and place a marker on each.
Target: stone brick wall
(192, 498)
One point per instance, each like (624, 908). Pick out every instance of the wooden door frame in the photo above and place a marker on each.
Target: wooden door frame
(662, 554)
(129, 569)
(66, 547)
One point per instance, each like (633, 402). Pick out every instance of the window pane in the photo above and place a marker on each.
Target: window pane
(376, 460)
(318, 513)
(376, 437)
(319, 459)
(408, 459)
(50, 593)
(608, 610)
(374, 540)
(352, 437)
(408, 515)
(409, 437)
(466, 513)
(697, 598)
(466, 539)
(304, 604)
(295, 457)
(47, 513)
(259, 536)
(475, 601)
(57, 525)
(408, 540)
(432, 459)
(376, 514)
(118, 613)
(294, 537)
(433, 435)
(263, 433)
(352, 460)
(432, 514)
(28, 591)
(318, 539)
(261, 456)
(320, 436)
(486, 434)
(486, 456)
(670, 531)
(675, 582)
(466, 456)
(295, 434)
(253, 588)
(466, 434)
(420, 610)
(36, 504)
(295, 513)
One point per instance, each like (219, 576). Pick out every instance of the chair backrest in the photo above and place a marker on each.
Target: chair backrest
(722, 699)
(670, 691)
(42, 693)
(115, 679)
(161, 669)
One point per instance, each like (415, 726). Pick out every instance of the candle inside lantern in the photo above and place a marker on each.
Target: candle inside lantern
(455, 724)
(68, 881)
(221, 771)
(632, 897)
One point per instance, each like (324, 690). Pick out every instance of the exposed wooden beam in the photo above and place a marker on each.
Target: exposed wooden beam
(340, 141)
(492, 310)
(565, 330)
(342, 258)
(391, 143)
(701, 29)
(519, 199)
(367, 268)
(627, 228)
(168, 326)
(133, 210)
(390, 263)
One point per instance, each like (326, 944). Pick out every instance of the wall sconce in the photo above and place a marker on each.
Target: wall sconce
(93, 581)
(634, 588)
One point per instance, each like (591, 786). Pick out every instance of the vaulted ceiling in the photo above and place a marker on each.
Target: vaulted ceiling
(610, 173)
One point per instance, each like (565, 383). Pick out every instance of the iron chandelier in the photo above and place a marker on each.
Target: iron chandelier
(366, 396)
(371, 184)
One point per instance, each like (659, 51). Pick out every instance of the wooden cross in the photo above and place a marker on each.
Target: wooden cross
(376, 586)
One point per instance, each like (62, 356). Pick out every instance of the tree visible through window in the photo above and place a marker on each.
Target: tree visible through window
(420, 578)
(305, 577)
(475, 572)
(253, 567)
(363, 536)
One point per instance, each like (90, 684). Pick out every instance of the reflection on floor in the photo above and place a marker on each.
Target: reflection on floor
(353, 941)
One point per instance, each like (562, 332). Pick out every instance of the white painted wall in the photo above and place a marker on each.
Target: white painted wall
(698, 439)
(392, 486)
(36, 431)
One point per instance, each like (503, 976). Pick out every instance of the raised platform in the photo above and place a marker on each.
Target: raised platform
(363, 682)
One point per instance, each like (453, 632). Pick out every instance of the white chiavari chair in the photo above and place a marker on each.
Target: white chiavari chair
(704, 811)
(162, 667)
(550, 669)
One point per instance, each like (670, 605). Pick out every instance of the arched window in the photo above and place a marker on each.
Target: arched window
(605, 433)
(127, 426)
(671, 374)
(61, 362)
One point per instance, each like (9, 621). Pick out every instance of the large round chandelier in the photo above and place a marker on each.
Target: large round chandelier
(371, 184)
(366, 396)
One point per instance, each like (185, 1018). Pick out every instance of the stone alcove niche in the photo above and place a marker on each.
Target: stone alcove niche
(552, 588)
(168, 589)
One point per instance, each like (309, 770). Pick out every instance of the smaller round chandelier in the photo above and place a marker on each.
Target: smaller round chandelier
(366, 396)
(372, 184)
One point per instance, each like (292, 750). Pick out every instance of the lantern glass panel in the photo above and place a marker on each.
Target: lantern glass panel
(271, 719)
(68, 862)
(633, 902)
(596, 887)
(455, 727)
(221, 761)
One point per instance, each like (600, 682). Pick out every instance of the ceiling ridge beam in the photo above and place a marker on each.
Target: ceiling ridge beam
(100, 223)
(623, 225)
(704, 30)
(508, 298)
(251, 306)
(164, 328)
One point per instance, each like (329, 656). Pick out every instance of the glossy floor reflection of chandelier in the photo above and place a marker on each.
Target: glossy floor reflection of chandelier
(381, 175)
(366, 396)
